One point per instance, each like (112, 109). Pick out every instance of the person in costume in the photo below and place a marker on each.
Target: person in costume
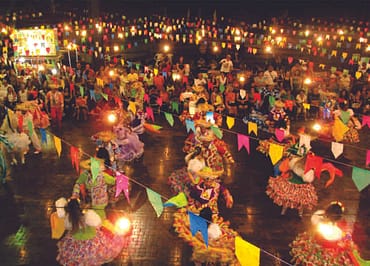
(329, 242)
(89, 240)
(55, 101)
(346, 116)
(95, 189)
(277, 118)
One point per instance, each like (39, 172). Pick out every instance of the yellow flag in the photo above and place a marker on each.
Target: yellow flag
(252, 127)
(306, 106)
(275, 152)
(230, 121)
(247, 254)
(358, 74)
(99, 82)
(132, 106)
(334, 53)
(339, 129)
(155, 71)
(58, 145)
(122, 62)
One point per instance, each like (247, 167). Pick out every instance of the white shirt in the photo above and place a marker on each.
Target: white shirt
(226, 65)
(270, 76)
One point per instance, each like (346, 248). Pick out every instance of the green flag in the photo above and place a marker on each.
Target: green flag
(361, 178)
(175, 106)
(169, 118)
(94, 167)
(179, 201)
(30, 127)
(105, 96)
(155, 200)
(272, 100)
(82, 91)
(217, 132)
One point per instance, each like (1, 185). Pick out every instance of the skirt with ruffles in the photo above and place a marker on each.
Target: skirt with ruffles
(219, 251)
(179, 181)
(306, 251)
(103, 248)
(291, 195)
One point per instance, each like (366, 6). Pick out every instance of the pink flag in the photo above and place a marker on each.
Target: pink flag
(159, 101)
(146, 98)
(279, 133)
(149, 113)
(122, 185)
(366, 121)
(243, 141)
(367, 158)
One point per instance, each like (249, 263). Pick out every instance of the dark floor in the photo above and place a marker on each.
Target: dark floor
(28, 197)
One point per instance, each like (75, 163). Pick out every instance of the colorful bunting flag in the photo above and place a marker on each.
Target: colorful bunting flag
(361, 178)
(367, 158)
(246, 253)
(339, 129)
(159, 101)
(252, 127)
(149, 113)
(217, 131)
(58, 145)
(313, 162)
(146, 98)
(169, 118)
(279, 133)
(179, 201)
(94, 167)
(306, 106)
(366, 120)
(104, 95)
(336, 149)
(132, 107)
(75, 158)
(189, 125)
(122, 185)
(30, 127)
(43, 135)
(92, 95)
(175, 106)
(275, 152)
(155, 200)
(198, 223)
(305, 141)
(243, 141)
(230, 121)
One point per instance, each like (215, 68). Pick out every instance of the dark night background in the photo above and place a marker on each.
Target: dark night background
(247, 10)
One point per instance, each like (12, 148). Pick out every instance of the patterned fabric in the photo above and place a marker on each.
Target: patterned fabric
(103, 248)
(287, 194)
(179, 181)
(307, 251)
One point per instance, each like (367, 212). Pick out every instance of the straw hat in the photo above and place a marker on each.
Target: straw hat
(203, 123)
(198, 88)
(209, 173)
(86, 164)
(26, 106)
(279, 104)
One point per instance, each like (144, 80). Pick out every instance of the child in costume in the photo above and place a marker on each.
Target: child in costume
(89, 240)
(318, 247)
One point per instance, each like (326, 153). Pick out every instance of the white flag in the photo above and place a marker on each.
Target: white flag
(336, 149)
(305, 140)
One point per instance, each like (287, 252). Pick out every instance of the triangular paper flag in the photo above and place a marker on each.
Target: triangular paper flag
(122, 185)
(360, 261)
(75, 158)
(336, 149)
(189, 125)
(366, 120)
(169, 118)
(146, 98)
(272, 100)
(243, 141)
(155, 200)
(105, 96)
(361, 178)
(20, 123)
(246, 253)
(159, 101)
(30, 127)
(198, 223)
(149, 113)
(58, 145)
(339, 129)
(175, 106)
(313, 162)
(132, 107)
(217, 131)
(279, 133)
(222, 88)
(306, 106)
(367, 158)
(275, 152)
(43, 135)
(179, 201)
(94, 167)
(92, 95)
(82, 91)
(230, 121)
(358, 74)
(252, 127)
(305, 140)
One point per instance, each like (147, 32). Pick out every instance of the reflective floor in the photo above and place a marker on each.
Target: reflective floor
(27, 199)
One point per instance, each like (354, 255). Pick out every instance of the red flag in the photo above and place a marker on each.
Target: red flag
(159, 101)
(314, 162)
(367, 158)
(71, 88)
(257, 97)
(75, 158)
(146, 98)
(20, 123)
(149, 113)
(366, 121)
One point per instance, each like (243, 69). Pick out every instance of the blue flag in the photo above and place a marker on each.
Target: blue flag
(43, 135)
(189, 125)
(197, 223)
